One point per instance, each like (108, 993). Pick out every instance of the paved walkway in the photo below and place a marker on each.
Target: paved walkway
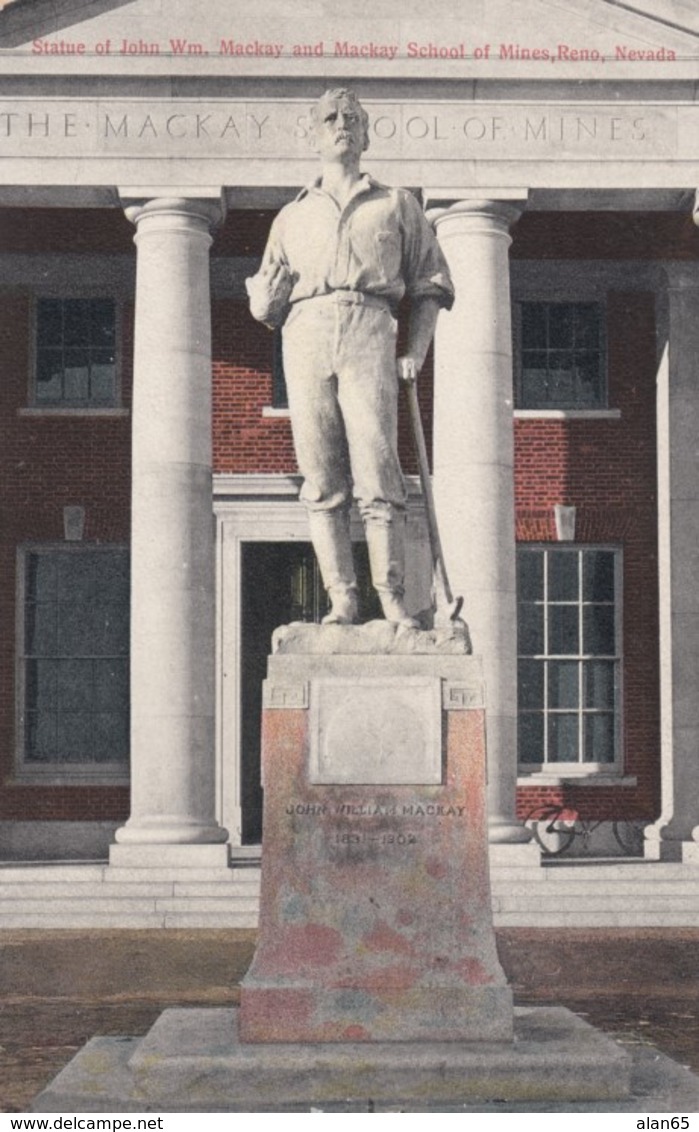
(57, 989)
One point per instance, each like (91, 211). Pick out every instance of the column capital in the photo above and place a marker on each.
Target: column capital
(503, 206)
(207, 207)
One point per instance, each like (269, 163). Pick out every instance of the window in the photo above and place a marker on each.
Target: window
(75, 659)
(560, 356)
(569, 657)
(76, 353)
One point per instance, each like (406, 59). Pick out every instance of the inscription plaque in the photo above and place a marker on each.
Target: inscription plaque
(376, 732)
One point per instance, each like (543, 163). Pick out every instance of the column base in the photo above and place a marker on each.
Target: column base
(680, 849)
(508, 831)
(162, 856)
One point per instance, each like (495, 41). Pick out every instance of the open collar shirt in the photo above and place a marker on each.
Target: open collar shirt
(379, 243)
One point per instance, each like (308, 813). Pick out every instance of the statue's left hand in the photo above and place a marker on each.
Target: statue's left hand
(407, 369)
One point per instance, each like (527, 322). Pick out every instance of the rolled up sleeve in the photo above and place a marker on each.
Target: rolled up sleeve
(425, 269)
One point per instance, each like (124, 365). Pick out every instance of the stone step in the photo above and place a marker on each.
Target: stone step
(51, 874)
(562, 889)
(581, 870)
(558, 894)
(621, 917)
(79, 890)
(243, 876)
(578, 902)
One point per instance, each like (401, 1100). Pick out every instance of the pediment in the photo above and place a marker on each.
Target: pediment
(388, 34)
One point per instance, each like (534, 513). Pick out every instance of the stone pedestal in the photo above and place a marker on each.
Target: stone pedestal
(375, 911)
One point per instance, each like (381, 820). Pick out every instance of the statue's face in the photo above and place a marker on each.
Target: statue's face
(339, 130)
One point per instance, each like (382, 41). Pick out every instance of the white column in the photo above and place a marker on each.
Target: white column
(172, 544)
(473, 464)
(675, 836)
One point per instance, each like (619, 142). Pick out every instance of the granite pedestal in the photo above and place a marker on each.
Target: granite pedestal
(375, 910)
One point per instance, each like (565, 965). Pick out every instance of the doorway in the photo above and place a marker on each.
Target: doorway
(280, 583)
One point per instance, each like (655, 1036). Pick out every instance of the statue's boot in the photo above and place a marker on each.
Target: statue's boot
(385, 538)
(330, 535)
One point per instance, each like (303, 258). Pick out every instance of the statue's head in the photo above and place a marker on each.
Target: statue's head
(338, 119)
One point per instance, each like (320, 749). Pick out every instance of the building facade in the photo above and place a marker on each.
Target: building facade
(151, 539)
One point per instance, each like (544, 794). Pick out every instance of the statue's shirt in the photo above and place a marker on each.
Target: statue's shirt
(380, 243)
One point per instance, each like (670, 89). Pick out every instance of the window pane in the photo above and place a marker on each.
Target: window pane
(102, 378)
(77, 375)
(111, 685)
(563, 575)
(598, 630)
(111, 631)
(531, 738)
(533, 326)
(77, 576)
(598, 681)
(74, 685)
(588, 385)
(49, 375)
(75, 630)
(530, 575)
(49, 322)
(77, 699)
(76, 322)
(111, 737)
(564, 677)
(40, 689)
(40, 736)
(561, 326)
(75, 738)
(530, 630)
(530, 683)
(563, 739)
(40, 629)
(41, 577)
(599, 738)
(587, 326)
(534, 383)
(598, 575)
(102, 322)
(563, 630)
(561, 379)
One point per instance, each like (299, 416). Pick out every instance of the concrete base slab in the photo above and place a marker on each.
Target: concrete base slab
(192, 1061)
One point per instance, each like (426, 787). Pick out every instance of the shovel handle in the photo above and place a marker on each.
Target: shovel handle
(426, 483)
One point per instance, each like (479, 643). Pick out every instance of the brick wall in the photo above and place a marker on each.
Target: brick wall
(607, 470)
(46, 463)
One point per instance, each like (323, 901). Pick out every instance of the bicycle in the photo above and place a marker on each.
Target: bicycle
(555, 828)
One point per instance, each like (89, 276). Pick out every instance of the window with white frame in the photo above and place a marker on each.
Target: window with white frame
(75, 353)
(569, 657)
(74, 659)
(560, 355)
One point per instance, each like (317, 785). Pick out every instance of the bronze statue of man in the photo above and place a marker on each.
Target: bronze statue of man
(339, 259)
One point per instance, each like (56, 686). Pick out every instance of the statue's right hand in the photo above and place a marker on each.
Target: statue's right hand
(269, 292)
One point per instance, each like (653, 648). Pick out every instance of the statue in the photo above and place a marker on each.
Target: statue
(339, 259)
